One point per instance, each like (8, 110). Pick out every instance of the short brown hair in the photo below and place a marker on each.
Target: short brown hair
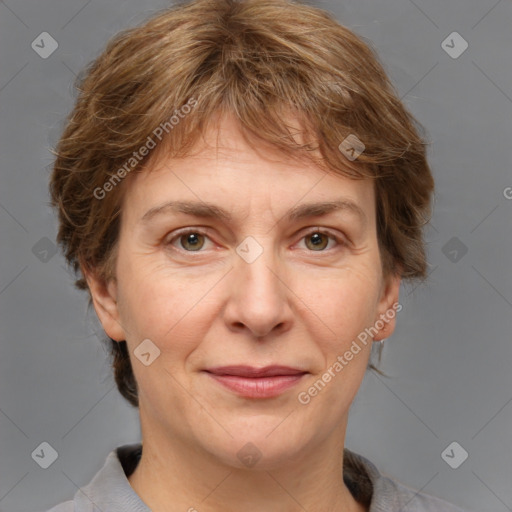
(255, 59)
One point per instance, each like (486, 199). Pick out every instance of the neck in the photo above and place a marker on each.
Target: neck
(167, 479)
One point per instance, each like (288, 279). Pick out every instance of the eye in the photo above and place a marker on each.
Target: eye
(193, 240)
(318, 239)
(190, 240)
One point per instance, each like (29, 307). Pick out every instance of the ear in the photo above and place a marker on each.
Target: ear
(388, 307)
(104, 297)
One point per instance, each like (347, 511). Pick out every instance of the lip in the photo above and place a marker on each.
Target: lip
(252, 382)
(252, 371)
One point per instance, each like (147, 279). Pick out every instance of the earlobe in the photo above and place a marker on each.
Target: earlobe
(105, 300)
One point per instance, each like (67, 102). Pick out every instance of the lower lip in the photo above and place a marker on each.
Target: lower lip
(260, 387)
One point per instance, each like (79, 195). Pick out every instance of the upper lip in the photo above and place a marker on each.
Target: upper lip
(253, 372)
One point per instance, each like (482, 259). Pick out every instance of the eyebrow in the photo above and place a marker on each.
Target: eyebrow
(208, 210)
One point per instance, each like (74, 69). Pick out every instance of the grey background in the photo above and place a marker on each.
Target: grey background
(449, 360)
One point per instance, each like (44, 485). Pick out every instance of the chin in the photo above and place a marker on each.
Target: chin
(258, 447)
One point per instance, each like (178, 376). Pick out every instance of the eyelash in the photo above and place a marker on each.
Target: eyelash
(340, 242)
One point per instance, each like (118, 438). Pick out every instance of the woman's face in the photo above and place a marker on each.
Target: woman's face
(268, 282)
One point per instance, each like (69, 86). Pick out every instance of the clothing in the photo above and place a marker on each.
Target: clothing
(110, 490)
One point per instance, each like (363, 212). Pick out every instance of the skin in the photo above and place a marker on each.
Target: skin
(298, 304)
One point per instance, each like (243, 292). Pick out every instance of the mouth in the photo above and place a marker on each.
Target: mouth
(252, 382)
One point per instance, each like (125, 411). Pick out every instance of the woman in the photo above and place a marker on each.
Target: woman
(241, 192)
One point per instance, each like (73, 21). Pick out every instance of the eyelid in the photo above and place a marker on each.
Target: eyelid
(185, 231)
(341, 241)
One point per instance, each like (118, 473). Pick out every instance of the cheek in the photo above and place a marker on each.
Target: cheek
(344, 302)
(343, 308)
(163, 306)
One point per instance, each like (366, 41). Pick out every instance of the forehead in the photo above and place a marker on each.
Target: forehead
(225, 169)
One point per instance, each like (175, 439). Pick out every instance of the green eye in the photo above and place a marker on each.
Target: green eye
(319, 241)
(192, 241)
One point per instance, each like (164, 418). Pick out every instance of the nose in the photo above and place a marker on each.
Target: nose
(259, 297)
